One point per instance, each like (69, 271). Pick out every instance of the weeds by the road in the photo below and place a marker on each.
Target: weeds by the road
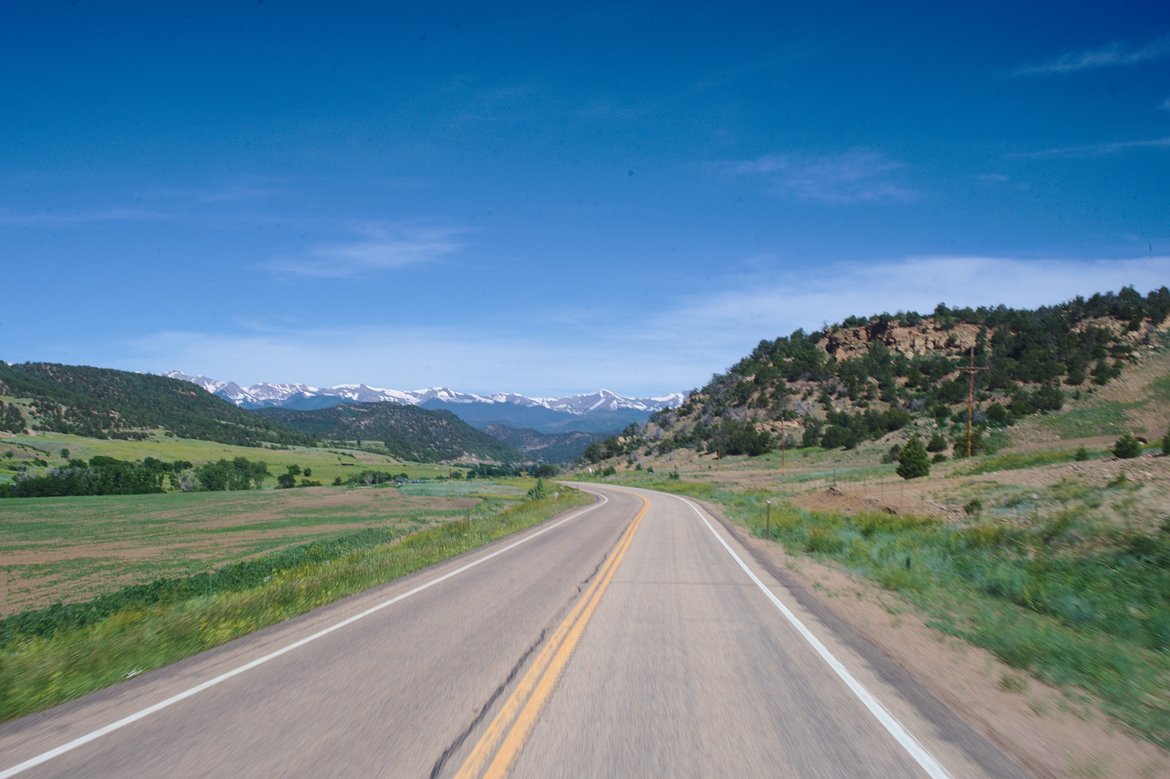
(45, 663)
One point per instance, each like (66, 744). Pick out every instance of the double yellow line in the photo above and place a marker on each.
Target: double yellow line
(507, 733)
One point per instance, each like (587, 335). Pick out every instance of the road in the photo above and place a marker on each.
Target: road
(634, 637)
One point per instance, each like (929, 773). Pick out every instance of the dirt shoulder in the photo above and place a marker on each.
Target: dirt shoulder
(1049, 732)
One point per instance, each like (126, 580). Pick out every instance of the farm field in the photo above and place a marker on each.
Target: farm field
(70, 549)
(326, 463)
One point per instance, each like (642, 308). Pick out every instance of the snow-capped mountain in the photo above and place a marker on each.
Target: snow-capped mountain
(479, 409)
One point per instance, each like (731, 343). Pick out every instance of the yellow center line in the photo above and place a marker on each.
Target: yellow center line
(514, 721)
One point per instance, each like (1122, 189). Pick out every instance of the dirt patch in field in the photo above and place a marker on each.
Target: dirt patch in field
(1049, 732)
(1142, 484)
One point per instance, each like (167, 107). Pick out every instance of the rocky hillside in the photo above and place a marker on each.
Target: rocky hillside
(868, 377)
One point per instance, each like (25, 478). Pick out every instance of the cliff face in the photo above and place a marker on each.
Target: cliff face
(922, 338)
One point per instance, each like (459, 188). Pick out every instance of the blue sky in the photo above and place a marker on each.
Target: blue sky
(553, 198)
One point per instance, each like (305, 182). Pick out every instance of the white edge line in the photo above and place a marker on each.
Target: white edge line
(44, 757)
(915, 749)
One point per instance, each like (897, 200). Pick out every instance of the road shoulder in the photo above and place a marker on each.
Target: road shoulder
(1005, 722)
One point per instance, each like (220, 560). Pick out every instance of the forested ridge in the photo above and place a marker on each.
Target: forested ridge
(869, 376)
(407, 432)
(107, 403)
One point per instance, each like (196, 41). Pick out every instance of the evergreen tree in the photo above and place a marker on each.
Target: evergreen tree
(913, 461)
(1127, 447)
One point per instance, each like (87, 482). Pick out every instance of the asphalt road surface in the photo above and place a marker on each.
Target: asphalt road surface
(635, 637)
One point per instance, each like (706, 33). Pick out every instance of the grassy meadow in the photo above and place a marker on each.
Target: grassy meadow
(326, 463)
(147, 580)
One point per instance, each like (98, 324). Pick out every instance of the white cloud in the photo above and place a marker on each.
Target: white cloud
(468, 359)
(674, 347)
(1089, 150)
(776, 307)
(80, 217)
(856, 176)
(1113, 55)
(380, 248)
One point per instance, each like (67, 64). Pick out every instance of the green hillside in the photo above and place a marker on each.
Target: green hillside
(544, 447)
(106, 403)
(407, 432)
(868, 377)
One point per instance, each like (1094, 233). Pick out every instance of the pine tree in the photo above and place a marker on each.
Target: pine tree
(913, 461)
(1127, 447)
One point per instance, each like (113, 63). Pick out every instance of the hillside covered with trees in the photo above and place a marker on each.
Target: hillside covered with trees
(871, 376)
(107, 403)
(407, 432)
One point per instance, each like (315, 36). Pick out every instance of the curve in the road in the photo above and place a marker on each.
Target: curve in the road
(147, 711)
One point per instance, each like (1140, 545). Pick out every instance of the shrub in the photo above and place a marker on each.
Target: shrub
(1166, 444)
(913, 462)
(1127, 447)
(1081, 455)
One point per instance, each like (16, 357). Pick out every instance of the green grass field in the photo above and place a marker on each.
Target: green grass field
(72, 548)
(326, 463)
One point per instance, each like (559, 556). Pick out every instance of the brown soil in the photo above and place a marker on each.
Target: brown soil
(1044, 729)
(945, 497)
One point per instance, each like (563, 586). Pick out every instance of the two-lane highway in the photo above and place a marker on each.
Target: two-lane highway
(630, 638)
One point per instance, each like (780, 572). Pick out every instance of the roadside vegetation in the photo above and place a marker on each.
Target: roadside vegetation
(61, 652)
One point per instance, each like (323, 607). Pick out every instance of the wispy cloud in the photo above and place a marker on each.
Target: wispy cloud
(472, 359)
(1165, 105)
(674, 347)
(246, 189)
(379, 248)
(1094, 149)
(1113, 55)
(770, 308)
(81, 217)
(856, 176)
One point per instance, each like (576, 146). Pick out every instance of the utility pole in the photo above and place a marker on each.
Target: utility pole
(970, 370)
(783, 440)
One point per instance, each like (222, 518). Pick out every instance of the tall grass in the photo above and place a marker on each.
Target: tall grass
(1016, 461)
(71, 659)
(1075, 601)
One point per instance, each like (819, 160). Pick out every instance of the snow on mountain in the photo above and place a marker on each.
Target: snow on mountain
(266, 394)
(605, 400)
(211, 385)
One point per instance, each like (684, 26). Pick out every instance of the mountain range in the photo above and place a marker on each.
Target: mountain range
(599, 412)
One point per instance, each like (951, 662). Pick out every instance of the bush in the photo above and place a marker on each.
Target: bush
(1127, 447)
(913, 462)
(1081, 455)
(1166, 444)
